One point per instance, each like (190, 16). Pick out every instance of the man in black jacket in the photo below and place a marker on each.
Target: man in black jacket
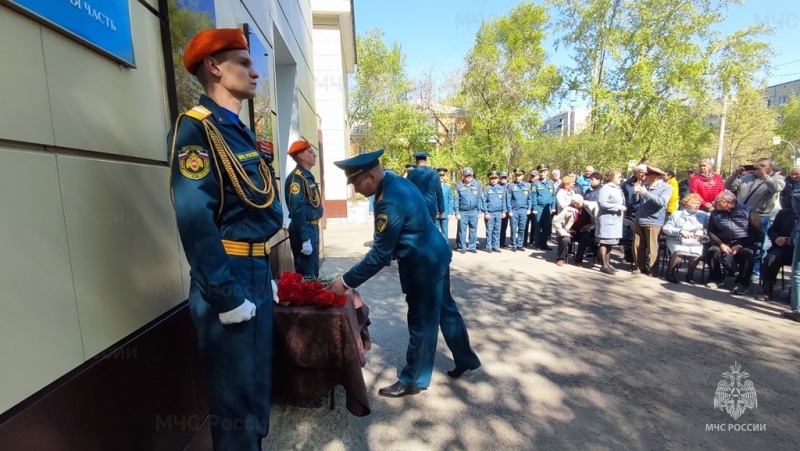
(734, 231)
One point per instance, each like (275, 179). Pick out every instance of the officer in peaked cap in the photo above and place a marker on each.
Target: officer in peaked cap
(226, 214)
(494, 209)
(359, 164)
(466, 207)
(410, 167)
(427, 180)
(518, 206)
(504, 219)
(528, 234)
(423, 257)
(543, 205)
(447, 200)
(304, 203)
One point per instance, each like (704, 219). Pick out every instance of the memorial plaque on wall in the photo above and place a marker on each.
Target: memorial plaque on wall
(103, 25)
(262, 111)
(186, 19)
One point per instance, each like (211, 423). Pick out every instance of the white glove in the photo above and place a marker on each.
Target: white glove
(306, 248)
(240, 314)
(275, 292)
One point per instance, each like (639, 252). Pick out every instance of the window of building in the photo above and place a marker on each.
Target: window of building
(452, 131)
(783, 99)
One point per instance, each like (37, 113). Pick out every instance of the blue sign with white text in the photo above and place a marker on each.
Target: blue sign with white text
(102, 24)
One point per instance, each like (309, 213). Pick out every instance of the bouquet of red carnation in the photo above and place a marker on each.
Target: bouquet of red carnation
(293, 289)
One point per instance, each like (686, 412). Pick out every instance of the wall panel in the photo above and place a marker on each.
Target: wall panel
(24, 83)
(39, 331)
(100, 107)
(123, 246)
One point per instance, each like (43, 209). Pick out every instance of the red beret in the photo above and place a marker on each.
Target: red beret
(209, 42)
(299, 146)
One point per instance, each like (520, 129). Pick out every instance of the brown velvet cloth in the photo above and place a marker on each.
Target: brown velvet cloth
(317, 348)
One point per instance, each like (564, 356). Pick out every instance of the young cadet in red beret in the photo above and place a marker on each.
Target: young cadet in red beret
(227, 208)
(304, 202)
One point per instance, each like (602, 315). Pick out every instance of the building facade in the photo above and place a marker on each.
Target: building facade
(96, 342)
(567, 123)
(334, 59)
(777, 95)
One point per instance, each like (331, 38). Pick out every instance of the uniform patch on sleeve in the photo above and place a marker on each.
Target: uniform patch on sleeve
(193, 162)
(294, 188)
(380, 222)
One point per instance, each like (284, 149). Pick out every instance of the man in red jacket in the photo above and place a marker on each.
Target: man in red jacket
(707, 184)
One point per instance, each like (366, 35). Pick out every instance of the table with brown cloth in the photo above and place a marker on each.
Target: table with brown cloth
(317, 348)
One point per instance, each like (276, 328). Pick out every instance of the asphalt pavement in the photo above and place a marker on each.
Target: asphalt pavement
(572, 359)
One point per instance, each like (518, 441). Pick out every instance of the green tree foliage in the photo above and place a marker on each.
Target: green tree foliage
(647, 67)
(507, 83)
(748, 131)
(788, 128)
(379, 115)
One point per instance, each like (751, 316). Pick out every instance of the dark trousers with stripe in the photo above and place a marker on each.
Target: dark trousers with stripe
(431, 307)
(238, 359)
(307, 265)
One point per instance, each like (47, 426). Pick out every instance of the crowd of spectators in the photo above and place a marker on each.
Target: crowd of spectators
(742, 227)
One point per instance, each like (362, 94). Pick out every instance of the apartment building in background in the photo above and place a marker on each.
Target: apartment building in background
(567, 123)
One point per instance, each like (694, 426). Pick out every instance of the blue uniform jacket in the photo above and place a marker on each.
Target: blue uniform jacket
(543, 195)
(302, 194)
(427, 180)
(494, 199)
(208, 209)
(447, 196)
(467, 197)
(403, 228)
(518, 196)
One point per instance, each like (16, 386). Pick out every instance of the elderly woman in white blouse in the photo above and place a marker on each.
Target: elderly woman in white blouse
(685, 232)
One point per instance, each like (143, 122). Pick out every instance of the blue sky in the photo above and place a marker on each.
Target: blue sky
(435, 35)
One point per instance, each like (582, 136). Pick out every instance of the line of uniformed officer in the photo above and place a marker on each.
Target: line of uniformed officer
(443, 221)
(501, 203)
(518, 205)
(466, 206)
(543, 205)
(494, 209)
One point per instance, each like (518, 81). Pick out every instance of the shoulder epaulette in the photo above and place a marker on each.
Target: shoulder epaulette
(199, 112)
(297, 172)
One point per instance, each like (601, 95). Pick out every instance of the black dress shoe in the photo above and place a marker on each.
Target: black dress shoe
(398, 390)
(671, 277)
(457, 372)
